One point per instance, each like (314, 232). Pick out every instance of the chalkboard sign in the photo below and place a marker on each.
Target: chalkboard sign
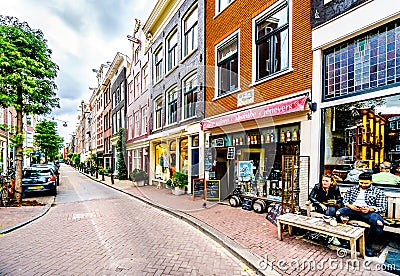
(198, 187)
(212, 189)
(208, 159)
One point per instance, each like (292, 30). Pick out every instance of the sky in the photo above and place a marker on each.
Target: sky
(82, 35)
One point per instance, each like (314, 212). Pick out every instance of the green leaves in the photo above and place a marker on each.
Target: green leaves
(26, 69)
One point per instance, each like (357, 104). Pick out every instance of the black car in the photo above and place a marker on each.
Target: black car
(39, 179)
(53, 167)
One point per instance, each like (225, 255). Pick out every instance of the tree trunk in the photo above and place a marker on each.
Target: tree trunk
(19, 156)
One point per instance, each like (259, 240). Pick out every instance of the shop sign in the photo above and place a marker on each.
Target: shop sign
(245, 98)
(275, 109)
(231, 153)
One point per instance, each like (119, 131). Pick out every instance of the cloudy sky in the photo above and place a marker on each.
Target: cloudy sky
(82, 34)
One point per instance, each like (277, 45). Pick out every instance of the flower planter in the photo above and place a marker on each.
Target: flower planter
(139, 183)
(178, 191)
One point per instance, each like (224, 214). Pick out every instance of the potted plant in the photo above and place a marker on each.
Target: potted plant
(103, 172)
(139, 176)
(180, 182)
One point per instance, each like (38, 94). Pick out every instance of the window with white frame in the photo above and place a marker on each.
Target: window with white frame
(158, 113)
(272, 41)
(145, 78)
(122, 90)
(136, 159)
(137, 125)
(130, 92)
(172, 105)
(130, 123)
(137, 85)
(190, 32)
(172, 43)
(137, 51)
(189, 96)
(144, 120)
(228, 65)
(158, 68)
(222, 4)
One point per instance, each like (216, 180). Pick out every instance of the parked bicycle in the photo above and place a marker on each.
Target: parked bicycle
(7, 190)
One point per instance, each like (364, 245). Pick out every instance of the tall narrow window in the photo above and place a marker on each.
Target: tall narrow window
(158, 113)
(172, 42)
(227, 63)
(145, 78)
(158, 60)
(190, 32)
(137, 85)
(189, 96)
(172, 104)
(272, 42)
(130, 131)
(144, 120)
(137, 125)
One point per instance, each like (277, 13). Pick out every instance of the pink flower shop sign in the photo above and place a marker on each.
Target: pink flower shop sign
(279, 108)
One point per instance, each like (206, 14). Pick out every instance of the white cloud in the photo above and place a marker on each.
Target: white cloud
(82, 35)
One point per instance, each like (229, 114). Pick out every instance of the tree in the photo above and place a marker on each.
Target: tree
(27, 76)
(47, 139)
(121, 166)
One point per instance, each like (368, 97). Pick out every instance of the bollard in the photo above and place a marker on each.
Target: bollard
(112, 179)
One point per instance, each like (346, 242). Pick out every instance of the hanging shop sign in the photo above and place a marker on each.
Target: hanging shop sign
(275, 109)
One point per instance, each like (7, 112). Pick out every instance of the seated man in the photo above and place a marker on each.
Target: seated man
(384, 176)
(365, 202)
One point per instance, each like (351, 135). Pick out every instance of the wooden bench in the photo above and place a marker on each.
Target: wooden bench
(342, 231)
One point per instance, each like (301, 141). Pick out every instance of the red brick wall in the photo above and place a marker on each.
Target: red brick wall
(239, 15)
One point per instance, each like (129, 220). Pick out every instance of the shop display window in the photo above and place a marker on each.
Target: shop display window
(365, 132)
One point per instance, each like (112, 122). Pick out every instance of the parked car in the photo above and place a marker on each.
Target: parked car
(35, 179)
(52, 166)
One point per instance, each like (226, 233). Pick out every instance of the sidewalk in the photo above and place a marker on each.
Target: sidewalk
(245, 233)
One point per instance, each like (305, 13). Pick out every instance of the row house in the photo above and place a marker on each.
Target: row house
(259, 75)
(356, 78)
(138, 102)
(175, 37)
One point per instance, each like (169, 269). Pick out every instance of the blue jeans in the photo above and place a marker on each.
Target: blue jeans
(371, 218)
(331, 211)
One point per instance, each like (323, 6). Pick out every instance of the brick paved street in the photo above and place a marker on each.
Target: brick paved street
(88, 233)
(250, 233)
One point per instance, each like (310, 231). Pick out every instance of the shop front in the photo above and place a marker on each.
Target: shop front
(177, 152)
(259, 154)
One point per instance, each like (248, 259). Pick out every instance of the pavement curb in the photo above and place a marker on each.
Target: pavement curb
(29, 220)
(253, 261)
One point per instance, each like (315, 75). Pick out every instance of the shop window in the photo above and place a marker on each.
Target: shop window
(361, 133)
(189, 96)
(364, 63)
(228, 65)
(272, 41)
(190, 31)
(184, 161)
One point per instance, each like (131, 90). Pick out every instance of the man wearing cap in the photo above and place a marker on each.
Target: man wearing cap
(384, 176)
(365, 202)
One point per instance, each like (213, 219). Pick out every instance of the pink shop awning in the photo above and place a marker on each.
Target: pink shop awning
(274, 109)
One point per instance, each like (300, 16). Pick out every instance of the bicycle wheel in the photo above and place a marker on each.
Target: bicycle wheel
(4, 199)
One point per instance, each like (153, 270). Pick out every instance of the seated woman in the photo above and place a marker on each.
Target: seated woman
(325, 196)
